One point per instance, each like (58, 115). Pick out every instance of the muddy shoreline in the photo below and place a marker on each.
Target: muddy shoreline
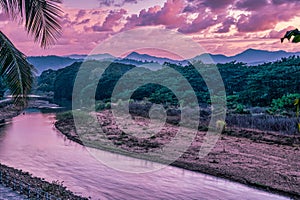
(54, 188)
(8, 111)
(262, 160)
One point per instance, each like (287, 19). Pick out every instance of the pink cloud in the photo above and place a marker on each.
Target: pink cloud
(264, 15)
(202, 22)
(196, 6)
(264, 20)
(74, 39)
(226, 24)
(85, 21)
(278, 34)
(255, 23)
(111, 21)
(83, 29)
(267, 17)
(96, 12)
(169, 15)
(80, 14)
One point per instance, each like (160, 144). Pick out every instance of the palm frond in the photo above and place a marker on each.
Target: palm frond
(296, 39)
(16, 71)
(41, 18)
(10, 7)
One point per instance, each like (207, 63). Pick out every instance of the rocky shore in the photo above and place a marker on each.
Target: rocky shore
(8, 110)
(263, 160)
(55, 188)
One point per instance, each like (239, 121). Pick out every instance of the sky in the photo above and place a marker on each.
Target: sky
(219, 26)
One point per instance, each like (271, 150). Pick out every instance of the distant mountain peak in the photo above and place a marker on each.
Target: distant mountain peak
(134, 53)
(145, 58)
(252, 56)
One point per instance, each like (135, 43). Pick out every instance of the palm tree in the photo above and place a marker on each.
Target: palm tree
(297, 104)
(296, 34)
(41, 19)
(290, 34)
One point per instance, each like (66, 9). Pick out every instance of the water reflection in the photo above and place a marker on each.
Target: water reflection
(32, 143)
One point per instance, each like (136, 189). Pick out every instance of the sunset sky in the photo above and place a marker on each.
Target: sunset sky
(220, 26)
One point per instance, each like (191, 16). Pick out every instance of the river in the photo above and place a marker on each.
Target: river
(30, 142)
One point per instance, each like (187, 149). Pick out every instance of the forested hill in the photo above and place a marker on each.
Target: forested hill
(43, 63)
(245, 85)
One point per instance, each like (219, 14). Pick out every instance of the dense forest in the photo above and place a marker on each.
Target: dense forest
(274, 85)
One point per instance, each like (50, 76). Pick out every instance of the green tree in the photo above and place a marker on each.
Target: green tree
(41, 19)
(296, 38)
(297, 104)
(284, 104)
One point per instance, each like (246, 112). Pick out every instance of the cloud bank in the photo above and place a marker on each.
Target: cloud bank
(227, 21)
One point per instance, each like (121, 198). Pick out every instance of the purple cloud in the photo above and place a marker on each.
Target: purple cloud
(169, 15)
(250, 5)
(227, 23)
(117, 3)
(111, 21)
(201, 23)
(216, 4)
(80, 14)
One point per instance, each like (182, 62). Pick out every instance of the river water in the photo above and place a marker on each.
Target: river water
(30, 142)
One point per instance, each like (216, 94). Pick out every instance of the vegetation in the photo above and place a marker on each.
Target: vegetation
(274, 85)
(41, 19)
(284, 105)
(297, 104)
(46, 81)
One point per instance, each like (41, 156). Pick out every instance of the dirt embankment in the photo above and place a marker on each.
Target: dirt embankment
(263, 160)
(55, 188)
(8, 110)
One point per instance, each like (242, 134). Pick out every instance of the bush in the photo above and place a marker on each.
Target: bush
(279, 124)
(284, 105)
(100, 105)
(64, 115)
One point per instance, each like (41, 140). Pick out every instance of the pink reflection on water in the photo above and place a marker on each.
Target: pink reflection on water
(31, 143)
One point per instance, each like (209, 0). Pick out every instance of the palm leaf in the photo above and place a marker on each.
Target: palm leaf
(41, 17)
(42, 20)
(16, 71)
(9, 7)
(296, 39)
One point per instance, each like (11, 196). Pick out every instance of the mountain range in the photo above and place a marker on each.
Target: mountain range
(43, 63)
(254, 56)
(249, 56)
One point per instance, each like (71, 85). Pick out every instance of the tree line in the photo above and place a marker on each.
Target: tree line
(264, 85)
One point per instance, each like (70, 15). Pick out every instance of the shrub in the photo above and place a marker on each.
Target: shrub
(284, 105)
(64, 115)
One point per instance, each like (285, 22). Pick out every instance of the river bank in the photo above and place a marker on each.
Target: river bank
(55, 188)
(8, 110)
(263, 160)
